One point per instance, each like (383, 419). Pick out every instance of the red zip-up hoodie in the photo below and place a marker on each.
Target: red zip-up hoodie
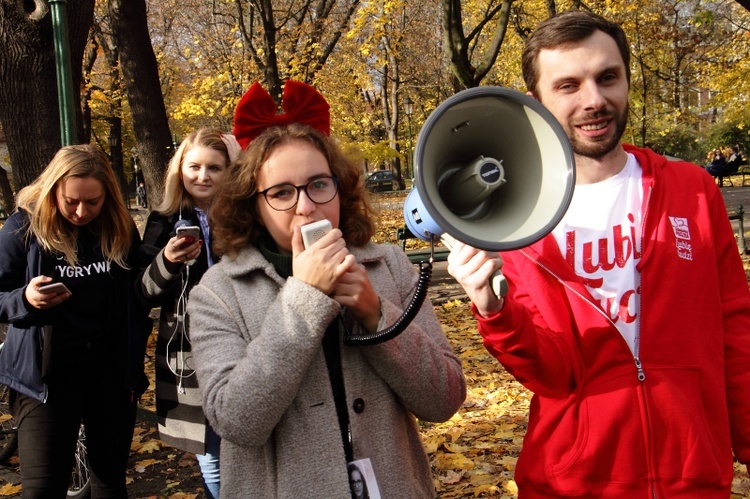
(660, 423)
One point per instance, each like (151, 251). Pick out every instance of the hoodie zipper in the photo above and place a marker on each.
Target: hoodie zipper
(42, 332)
(636, 357)
(637, 345)
(638, 365)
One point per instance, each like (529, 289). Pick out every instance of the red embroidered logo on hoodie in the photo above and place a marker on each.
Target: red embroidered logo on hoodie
(682, 237)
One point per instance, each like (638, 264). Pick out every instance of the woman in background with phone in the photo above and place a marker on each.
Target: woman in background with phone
(74, 356)
(172, 261)
(293, 404)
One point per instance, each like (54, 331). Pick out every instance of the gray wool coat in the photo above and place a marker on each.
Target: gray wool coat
(265, 386)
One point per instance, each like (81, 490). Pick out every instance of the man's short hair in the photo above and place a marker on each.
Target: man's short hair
(564, 29)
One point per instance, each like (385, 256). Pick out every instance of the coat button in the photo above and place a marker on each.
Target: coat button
(358, 406)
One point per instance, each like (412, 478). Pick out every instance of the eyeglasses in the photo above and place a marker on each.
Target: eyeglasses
(283, 197)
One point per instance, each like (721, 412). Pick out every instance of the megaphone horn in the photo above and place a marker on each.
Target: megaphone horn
(493, 168)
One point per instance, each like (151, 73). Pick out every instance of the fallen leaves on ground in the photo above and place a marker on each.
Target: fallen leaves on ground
(8, 489)
(474, 453)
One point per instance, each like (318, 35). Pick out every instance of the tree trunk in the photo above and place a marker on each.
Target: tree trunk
(29, 108)
(466, 74)
(141, 75)
(7, 200)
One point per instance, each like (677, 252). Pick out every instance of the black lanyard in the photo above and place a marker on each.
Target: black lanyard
(332, 351)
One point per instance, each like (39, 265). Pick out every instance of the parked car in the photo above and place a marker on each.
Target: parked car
(380, 180)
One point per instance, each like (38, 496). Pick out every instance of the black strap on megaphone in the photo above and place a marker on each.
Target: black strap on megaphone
(425, 274)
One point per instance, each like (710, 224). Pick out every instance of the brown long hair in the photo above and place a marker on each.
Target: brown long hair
(51, 229)
(235, 220)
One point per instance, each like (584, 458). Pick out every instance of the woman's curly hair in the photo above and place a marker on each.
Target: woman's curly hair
(235, 220)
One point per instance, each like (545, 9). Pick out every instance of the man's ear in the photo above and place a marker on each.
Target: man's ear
(532, 95)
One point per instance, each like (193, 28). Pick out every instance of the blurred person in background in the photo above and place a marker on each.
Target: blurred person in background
(171, 265)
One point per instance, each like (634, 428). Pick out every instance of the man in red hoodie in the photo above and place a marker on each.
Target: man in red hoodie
(630, 322)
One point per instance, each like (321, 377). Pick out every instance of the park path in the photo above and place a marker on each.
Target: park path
(734, 197)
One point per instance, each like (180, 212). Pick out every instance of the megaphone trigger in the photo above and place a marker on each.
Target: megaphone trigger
(498, 282)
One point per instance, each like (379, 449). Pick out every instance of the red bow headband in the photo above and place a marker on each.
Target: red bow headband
(256, 111)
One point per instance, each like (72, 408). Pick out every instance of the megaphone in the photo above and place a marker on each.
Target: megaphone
(493, 168)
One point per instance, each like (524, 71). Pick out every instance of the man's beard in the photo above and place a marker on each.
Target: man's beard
(602, 145)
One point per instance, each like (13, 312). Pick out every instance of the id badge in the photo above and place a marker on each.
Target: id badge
(362, 479)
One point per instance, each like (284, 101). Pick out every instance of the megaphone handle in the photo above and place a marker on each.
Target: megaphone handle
(498, 283)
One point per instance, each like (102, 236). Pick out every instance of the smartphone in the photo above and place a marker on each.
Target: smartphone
(191, 232)
(314, 231)
(55, 287)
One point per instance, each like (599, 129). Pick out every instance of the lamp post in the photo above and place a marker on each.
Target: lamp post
(408, 109)
(68, 131)
(172, 148)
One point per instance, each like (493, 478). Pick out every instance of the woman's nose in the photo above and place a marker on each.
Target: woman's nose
(304, 203)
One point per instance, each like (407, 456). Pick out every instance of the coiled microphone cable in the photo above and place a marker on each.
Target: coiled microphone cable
(425, 274)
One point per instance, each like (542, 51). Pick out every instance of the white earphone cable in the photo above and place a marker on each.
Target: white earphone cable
(182, 359)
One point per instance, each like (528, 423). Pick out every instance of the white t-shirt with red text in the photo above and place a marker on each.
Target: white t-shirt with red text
(600, 237)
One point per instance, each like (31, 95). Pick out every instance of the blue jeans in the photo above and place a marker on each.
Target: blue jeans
(209, 463)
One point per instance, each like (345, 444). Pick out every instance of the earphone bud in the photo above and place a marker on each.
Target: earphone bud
(180, 223)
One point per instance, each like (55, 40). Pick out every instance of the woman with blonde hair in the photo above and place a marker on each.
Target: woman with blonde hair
(171, 265)
(76, 355)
